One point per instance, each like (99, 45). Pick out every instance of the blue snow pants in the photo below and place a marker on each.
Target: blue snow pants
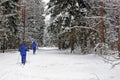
(23, 56)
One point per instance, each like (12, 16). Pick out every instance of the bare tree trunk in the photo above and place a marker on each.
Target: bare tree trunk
(72, 39)
(59, 43)
(23, 20)
(118, 31)
(102, 23)
(119, 43)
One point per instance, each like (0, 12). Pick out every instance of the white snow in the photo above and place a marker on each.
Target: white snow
(53, 64)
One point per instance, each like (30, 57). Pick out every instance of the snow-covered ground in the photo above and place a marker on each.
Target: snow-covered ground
(52, 64)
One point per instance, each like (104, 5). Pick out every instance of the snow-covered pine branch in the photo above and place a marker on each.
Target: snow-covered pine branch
(106, 8)
(8, 15)
(82, 27)
(94, 17)
(3, 1)
(97, 24)
(1, 30)
(118, 26)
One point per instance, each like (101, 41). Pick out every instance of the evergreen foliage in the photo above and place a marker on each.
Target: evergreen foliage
(66, 14)
(9, 17)
(84, 23)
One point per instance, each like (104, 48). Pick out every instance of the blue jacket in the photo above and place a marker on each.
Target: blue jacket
(23, 49)
(34, 45)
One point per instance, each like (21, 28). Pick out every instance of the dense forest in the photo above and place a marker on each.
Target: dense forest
(21, 20)
(87, 25)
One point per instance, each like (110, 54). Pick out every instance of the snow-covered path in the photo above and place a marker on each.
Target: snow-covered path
(50, 64)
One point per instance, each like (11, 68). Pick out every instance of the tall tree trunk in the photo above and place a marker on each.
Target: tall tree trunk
(24, 15)
(102, 24)
(118, 31)
(72, 39)
(59, 43)
(119, 42)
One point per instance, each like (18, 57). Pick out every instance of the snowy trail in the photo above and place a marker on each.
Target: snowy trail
(50, 64)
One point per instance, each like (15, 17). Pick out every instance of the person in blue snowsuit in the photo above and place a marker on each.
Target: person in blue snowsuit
(23, 49)
(34, 47)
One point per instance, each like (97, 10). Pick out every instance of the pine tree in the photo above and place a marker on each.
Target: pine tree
(35, 21)
(9, 11)
(65, 15)
(9, 18)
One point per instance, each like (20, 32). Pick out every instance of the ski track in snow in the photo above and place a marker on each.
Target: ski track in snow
(49, 64)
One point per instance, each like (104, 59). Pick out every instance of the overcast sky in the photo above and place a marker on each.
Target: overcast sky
(46, 1)
(47, 17)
